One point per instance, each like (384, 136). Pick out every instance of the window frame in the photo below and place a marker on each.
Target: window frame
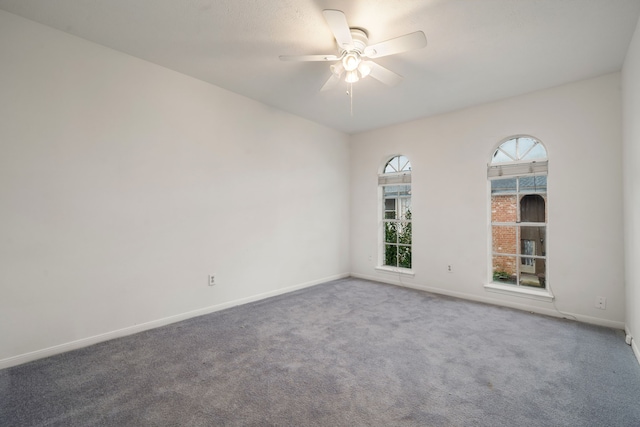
(517, 169)
(390, 179)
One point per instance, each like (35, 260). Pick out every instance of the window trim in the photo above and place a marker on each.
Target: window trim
(521, 291)
(395, 270)
(401, 178)
(516, 169)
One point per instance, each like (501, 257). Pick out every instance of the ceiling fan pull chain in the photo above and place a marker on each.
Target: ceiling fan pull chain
(351, 97)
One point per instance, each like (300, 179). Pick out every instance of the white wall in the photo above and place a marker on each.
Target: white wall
(579, 123)
(124, 184)
(631, 168)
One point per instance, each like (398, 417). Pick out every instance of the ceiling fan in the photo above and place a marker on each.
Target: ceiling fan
(354, 53)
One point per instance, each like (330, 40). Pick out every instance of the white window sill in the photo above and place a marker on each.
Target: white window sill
(396, 270)
(520, 291)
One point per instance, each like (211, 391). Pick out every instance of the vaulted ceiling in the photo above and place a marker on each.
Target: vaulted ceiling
(478, 50)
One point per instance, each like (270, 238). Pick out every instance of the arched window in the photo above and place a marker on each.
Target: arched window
(395, 184)
(517, 173)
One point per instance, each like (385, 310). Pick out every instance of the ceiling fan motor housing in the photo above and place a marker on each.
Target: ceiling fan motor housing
(360, 40)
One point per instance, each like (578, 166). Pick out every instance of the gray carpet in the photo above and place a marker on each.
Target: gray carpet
(345, 353)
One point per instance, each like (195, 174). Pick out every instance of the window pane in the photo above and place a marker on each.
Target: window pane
(533, 184)
(396, 190)
(404, 233)
(390, 190)
(524, 145)
(510, 148)
(537, 238)
(405, 208)
(504, 269)
(405, 166)
(404, 256)
(504, 208)
(390, 208)
(503, 185)
(500, 157)
(404, 190)
(392, 166)
(537, 152)
(537, 278)
(391, 232)
(503, 239)
(532, 208)
(391, 255)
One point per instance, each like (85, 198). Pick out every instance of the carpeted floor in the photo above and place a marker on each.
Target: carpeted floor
(345, 353)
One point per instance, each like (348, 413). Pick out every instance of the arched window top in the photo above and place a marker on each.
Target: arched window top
(396, 171)
(397, 164)
(519, 149)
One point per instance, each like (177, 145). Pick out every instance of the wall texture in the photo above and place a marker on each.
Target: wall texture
(580, 125)
(123, 185)
(631, 156)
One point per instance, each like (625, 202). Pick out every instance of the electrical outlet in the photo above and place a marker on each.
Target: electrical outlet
(212, 280)
(601, 303)
(450, 268)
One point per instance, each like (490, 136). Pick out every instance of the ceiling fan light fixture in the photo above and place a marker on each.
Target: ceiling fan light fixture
(352, 76)
(364, 68)
(351, 61)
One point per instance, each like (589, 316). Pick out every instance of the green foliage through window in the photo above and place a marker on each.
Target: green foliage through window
(398, 242)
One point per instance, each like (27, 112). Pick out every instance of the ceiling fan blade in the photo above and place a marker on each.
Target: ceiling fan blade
(330, 83)
(400, 44)
(384, 75)
(339, 27)
(309, 58)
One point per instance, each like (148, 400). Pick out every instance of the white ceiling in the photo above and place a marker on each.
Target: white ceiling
(478, 50)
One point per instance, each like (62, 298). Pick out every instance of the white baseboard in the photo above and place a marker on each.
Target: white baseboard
(636, 350)
(395, 280)
(634, 343)
(84, 342)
